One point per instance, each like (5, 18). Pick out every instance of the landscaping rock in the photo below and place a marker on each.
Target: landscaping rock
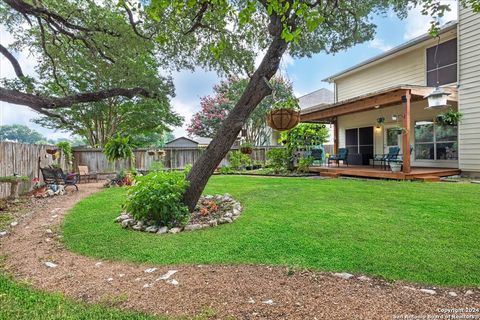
(228, 215)
(236, 212)
(174, 230)
(468, 292)
(224, 220)
(150, 270)
(3, 233)
(429, 291)
(49, 231)
(173, 281)
(452, 294)
(128, 223)
(269, 302)
(213, 223)
(192, 227)
(147, 285)
(343, 275)
(167, 275)
(14, 224)
(151, 229)
(162, 230)
(364, 278)
(138, 227)
(51, 264)
(122, 217)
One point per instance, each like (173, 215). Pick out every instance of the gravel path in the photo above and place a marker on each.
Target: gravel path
(34, 253)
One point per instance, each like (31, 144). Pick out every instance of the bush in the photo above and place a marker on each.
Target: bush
(157, 166)
(278, 159)
(225, 170)
(239, 160)
(304, 164)
(158, 196)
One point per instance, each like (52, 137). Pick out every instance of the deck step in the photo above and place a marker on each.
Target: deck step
(427, 178)
(329, 174)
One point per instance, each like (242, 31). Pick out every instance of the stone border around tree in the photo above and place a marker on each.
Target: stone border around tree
(228, 211)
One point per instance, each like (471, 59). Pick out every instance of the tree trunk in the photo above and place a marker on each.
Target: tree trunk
(257, 89)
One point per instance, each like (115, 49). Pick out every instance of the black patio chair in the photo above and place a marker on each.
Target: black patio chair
(56, 176)
(391, 156)
(341, 156)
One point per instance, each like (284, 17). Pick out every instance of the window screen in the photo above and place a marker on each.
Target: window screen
(446, 70)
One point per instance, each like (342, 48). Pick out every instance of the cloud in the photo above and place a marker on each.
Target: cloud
(418, 24)
(380, 45)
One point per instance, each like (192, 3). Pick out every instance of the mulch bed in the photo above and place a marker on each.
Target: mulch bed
(239, 291)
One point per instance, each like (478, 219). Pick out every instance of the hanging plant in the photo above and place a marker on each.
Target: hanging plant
(151, 152)
(380, 120)
(52, 151)
(246, 148)
(284, 115)
(449, 118)
(119, 148)
(400, 130)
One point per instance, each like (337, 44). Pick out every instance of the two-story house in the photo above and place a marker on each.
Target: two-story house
(375, 98)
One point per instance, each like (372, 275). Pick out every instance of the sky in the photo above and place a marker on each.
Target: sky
(306, 74)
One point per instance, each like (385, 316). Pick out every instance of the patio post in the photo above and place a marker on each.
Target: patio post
(406, 133)
(335, 136)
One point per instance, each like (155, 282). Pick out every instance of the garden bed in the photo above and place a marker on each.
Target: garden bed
(211, 211)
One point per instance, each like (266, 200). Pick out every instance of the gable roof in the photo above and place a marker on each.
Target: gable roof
(317, 97)
(181, 138)
(449, 26)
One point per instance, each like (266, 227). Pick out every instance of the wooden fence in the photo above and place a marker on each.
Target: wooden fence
(26, 160)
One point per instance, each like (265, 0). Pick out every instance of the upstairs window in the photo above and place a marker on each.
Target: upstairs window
(447, 64)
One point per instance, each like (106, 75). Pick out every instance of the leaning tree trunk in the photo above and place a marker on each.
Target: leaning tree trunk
(257, 89)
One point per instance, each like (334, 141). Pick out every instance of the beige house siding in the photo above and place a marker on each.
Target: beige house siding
(407, 67)
(368, 118)
(469, 90)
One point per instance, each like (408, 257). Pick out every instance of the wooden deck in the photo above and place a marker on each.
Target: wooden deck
(417, 173)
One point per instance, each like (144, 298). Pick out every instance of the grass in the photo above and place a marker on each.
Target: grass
(420, 232)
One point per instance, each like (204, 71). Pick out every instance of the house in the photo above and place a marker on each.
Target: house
(188, 143)
(393, 86)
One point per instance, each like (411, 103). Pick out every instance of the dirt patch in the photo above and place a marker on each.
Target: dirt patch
(35, 254)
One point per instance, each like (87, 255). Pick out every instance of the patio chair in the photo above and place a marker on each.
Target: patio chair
(55, 176)
(317, 155)
(384, 158)
(398, 159)
(341, 156)
(84, 173)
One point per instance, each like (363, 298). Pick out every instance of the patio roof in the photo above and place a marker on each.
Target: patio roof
(381, 98)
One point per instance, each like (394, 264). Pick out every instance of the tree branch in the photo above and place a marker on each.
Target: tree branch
(41, 103)
(13, 61)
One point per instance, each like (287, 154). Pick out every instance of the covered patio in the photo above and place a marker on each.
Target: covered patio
(402, 106)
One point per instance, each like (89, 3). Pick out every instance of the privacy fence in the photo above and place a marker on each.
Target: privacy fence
(25, 160)
(172, 158)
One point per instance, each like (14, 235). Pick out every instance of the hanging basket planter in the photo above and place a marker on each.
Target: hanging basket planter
(283, 119)
(52, 151)
(151, 152)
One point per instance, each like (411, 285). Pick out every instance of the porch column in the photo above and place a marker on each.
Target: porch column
(335, 136)
(406, 134)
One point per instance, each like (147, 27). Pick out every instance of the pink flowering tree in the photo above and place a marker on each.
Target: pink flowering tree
(206, 122)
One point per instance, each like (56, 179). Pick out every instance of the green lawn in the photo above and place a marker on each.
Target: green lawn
(421, 232)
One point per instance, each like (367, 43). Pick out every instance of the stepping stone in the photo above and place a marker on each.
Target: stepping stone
(429, 291)
(51, 264)
(343, 275)
(150, 270)
(167, 275)
(173, 281)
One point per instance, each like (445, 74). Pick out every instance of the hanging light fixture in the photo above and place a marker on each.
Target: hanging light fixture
(437, 99)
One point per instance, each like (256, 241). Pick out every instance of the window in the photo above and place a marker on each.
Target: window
(446, 70)
(435, 142)
(392, 137)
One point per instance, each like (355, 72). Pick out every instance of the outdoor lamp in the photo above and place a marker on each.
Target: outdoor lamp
(437, 99)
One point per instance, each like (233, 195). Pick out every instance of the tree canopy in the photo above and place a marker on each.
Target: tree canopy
(20, 133)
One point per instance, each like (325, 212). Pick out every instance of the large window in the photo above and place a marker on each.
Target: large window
(435, 142)
(445, 66)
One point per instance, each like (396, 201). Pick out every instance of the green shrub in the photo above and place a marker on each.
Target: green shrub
(239, 160)
(226, 170)
(157, 166)
(304, 164)
(278, 159)
(158, 196)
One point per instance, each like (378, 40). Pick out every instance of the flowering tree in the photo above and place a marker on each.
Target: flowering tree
(214, 109)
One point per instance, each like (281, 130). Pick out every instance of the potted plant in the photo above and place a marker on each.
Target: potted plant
(246, 148)
(395, 166)
(38, 188)
(284, 114)
(449, 118)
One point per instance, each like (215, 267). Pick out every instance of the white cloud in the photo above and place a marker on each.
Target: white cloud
(418, 24)
(380, 45)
